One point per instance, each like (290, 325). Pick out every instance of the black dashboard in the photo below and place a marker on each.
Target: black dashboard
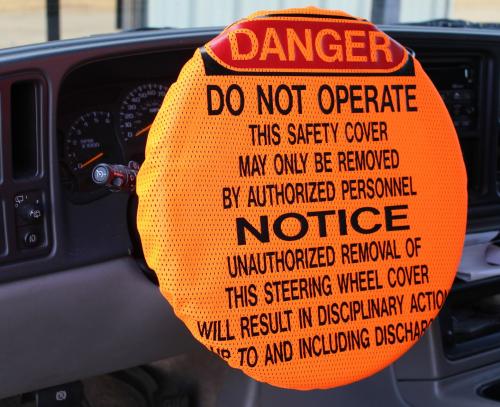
(104, 112)
(71, 247)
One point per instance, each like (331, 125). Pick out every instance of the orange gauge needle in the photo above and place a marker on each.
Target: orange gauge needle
(144, 130)
(91, 160)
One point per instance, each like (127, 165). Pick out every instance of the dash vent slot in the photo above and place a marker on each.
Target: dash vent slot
(25, 128)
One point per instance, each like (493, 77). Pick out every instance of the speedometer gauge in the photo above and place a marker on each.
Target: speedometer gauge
(137, 113)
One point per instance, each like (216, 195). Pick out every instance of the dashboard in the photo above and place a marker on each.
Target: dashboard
(105, 113)
(76, 295)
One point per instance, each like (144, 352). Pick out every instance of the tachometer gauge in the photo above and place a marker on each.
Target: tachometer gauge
(137, 113)
(90, 140)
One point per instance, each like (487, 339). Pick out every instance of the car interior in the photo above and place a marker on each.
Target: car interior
(78, 301)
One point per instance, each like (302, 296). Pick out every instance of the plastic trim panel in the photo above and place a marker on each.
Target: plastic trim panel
(83, 322)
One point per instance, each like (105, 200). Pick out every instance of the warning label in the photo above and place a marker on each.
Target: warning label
(303, 200)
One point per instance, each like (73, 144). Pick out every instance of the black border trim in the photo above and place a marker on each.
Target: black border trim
(310, 16)
(213, 68)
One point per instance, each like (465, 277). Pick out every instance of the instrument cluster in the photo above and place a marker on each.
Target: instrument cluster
(113, 129)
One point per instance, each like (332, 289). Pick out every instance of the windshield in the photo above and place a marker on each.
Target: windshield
(33, 21)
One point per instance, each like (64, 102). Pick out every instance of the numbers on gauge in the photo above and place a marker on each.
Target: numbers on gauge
(138, 110)
(87, 142)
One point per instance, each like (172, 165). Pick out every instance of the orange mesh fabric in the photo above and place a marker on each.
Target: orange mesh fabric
(303, 198)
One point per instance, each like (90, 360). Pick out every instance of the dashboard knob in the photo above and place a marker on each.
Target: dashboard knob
(31, 213)
(101, 174)
(116, 177)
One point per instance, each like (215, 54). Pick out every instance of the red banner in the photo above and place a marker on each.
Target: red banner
(310, 45)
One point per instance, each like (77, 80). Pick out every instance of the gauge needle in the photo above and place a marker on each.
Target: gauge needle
(91, 160)
(144, 130)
